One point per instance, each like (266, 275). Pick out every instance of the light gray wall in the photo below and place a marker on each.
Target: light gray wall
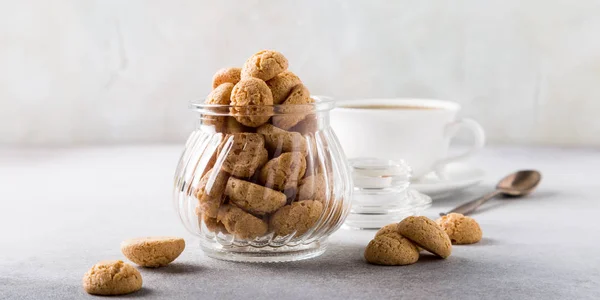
(75, 72)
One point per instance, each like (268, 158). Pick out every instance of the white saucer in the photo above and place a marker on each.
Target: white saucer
(459, 176)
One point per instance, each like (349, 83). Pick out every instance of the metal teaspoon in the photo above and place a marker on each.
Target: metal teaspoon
(517, 184)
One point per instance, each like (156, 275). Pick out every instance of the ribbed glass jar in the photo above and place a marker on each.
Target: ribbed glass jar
(269, 192)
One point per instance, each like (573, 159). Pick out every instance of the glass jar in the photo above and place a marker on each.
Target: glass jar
(263, 193)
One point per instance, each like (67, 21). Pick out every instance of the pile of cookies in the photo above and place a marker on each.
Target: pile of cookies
(266, 174)
(401, 243)
(115, 277)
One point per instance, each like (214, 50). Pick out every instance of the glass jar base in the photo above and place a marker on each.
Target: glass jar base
(265, 254)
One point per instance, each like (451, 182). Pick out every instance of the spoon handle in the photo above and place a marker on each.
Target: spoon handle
(470, 206)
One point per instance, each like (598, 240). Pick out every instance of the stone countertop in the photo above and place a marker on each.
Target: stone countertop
(62, 210)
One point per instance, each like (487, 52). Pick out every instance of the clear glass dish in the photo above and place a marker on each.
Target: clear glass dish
(382, 193)
(263, 194)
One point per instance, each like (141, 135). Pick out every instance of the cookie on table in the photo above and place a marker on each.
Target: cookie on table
(210, 191)
(112, 277)
(278, 140)
(426, 234)
(294, 107)
(282, 84)
(283, 172)
(391, 249)
(226, 75)
(153, 252)
(265, 65)
(241, 224)
(461, 229)
(252, 102)
(254, 198)
(245, 153)
(221, 95)
(313, 187)
(297, 217)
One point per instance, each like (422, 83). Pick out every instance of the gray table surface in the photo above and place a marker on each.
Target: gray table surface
(62, 210)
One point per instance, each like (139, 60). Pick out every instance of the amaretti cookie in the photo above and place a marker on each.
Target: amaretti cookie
(230, 75)
(112, 277)
(297, 217)
(265, 65)
(221, 95)
(278, 140)
(282, 84)
(251, 101)
(254, 198)
(391, 249)
(210, 191)
(313, 187)
(426, 234)
(153, 251)
(245, 155)
(212, 224)
(241, 224)
(283, 172)
(294, 109)
(461, 229)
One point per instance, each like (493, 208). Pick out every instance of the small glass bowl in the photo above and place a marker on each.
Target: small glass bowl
(382, 194)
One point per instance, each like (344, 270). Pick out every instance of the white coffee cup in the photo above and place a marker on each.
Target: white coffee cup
(417, 131)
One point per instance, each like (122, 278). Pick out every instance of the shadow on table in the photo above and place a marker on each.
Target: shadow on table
(175, 268)
(144, 292)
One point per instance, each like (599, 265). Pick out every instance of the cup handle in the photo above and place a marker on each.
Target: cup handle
(451, 130)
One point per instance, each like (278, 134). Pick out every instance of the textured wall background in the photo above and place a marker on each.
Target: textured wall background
(79, 72)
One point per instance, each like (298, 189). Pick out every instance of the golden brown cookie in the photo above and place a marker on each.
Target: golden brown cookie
(294, 109)
(426, 234)
(279, 140)
(282, 84)
(212, 224)
(387, 229)
(298, 217)
(219, 96)
(153, 251)
(313, 187)
(210, 191)
(391, 249)
(310, 124)
(264, 65)
(283, 172)
(245, 153)
(231, 125)
(461, 229)
(231, 75)
(252, 102)
(112, 277)
(254, 198)
(240, 223)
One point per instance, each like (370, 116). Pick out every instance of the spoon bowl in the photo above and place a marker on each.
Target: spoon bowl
(520, 183)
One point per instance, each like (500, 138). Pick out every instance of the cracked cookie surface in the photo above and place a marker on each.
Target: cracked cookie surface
(252, 102)
(264, 65)
(231, 75)
(461, 229)
(112, 277)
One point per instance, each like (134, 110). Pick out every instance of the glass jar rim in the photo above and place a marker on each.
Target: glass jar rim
(322, 103)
